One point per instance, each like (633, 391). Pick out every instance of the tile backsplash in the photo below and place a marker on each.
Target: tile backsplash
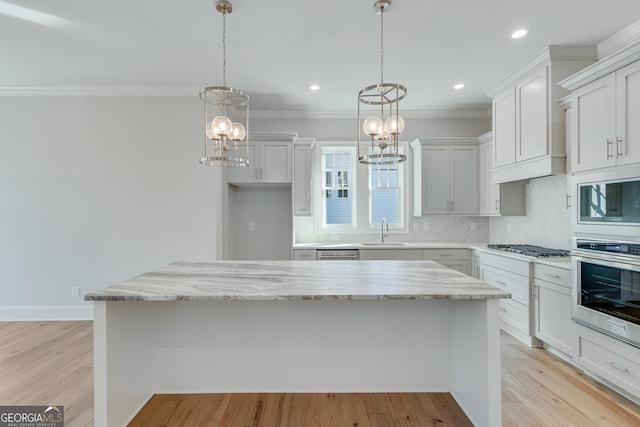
(437, 228)
(548, 221)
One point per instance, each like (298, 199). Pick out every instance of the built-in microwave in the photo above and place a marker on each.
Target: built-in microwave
(607, 202)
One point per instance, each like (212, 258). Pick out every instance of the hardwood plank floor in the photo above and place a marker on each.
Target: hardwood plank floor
(45, 363)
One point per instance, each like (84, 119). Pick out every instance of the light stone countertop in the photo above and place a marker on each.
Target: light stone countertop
(561, 262)
(299, 280)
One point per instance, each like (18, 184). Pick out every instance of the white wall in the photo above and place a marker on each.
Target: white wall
(548, 221)
(94, 190)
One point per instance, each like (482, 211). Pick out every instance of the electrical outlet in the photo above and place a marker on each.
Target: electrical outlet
(508, 227)
(474, 226)
(252, 226)
(75, 291)
(427, 226)
(416, 226)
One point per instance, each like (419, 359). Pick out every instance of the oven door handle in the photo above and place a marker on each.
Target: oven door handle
(616, 325)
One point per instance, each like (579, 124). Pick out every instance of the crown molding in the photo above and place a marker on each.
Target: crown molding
(191, 91)
(352, 115)
(548, 54)
(100, 91)
(622, 38)
(621, 57)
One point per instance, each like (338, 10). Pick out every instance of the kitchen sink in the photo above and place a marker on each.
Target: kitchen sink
(383, 244)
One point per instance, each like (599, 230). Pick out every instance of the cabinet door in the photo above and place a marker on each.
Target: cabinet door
(275, 162)
(302, 180)
(435, 188)
(504, 129)
(531, 126)
(593, 125)
(552, 315)
(463, 182)
(628, 114)
(245, 174)
(490, 193)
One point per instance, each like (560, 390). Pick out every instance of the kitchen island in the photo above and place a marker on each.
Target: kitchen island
(297, 326)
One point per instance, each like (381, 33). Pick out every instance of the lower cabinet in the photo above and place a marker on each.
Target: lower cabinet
(552, 307)
(304, 254)
(512, 275)
(393, 254)
(455, 259)
(613, 361)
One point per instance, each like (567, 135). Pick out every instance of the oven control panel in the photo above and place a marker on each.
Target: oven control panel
(611, 247)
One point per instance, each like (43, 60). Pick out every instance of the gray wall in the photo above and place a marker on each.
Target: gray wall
(94, 190)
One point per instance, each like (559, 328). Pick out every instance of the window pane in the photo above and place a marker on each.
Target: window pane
(337, 174)
(384, 204)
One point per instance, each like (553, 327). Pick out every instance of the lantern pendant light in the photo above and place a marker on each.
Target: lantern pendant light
(226, 114)
(383, 129)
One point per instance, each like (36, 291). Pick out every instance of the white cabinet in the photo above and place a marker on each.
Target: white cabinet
(456, 259)
(446, 172)
(302, 167)
(528, 122)
(270, 163)
(497, 199)
(304, 254)
(512, 275)
(605, 128)
(552, 307)
(392, 254)
(613, 361)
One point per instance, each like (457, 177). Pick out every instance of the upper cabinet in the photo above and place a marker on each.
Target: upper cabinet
(497, 199)
(528, 123)
(445, 176)
(605, 106)
(302, 168)
(270, 162)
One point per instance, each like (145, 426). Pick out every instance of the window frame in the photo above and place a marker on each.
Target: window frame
(361, 203)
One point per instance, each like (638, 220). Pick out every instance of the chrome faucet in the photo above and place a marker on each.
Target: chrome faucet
(384, 224)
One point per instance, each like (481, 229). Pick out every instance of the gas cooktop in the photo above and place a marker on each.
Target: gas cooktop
(529, 250)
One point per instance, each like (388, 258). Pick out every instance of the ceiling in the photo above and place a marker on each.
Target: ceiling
(277, 48)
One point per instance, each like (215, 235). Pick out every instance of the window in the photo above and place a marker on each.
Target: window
(337, 186)
(385, 197)
(355, 197)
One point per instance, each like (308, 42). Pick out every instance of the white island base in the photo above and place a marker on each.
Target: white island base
(143, 348)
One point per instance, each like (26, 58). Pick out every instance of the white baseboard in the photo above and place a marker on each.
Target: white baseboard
(45, 312)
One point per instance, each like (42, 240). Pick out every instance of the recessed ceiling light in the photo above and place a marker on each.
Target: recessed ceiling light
(314, 87)
(518, 34)
(458, 86)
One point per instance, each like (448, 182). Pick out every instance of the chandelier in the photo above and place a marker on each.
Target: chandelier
(226, 114)
(383, 129)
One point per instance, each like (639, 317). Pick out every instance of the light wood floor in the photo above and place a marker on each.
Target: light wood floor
(44, 363)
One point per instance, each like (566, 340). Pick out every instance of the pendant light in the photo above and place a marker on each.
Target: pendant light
(384, 128)
(226, 114)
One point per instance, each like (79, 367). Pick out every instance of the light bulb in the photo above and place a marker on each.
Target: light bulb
(210, 133)
(394, 125)
(372, 126)
(220, 125)
(238, 132)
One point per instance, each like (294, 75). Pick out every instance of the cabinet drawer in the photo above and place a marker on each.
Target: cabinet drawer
(517, 285)
(445, 254)
(557, 275)
(611, 361)
(459, 265)
(515, 315)
(304, 254)
(391, 254)
(506, 262)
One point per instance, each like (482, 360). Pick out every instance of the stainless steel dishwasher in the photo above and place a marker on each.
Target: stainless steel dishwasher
(335, 254)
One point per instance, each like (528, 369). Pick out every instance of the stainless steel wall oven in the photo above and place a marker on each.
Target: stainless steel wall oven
(607, 287)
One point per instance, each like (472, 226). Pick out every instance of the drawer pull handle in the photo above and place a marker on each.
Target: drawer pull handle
(500, 282)
(503, 309)
(617, 325)
(620, 368)
(609, 143)
(555, 276)
(445, 255)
